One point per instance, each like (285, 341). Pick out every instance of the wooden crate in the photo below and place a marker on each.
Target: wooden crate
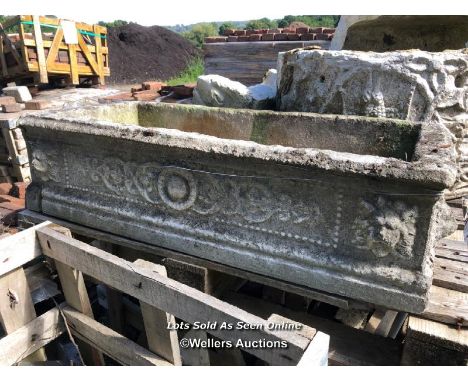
(43, 57)
(160, 300)
(385, 337)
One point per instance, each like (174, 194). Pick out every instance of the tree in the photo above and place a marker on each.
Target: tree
(264, 23)
(225, 26)
(199, 31)
(312, 21)
(113, 24)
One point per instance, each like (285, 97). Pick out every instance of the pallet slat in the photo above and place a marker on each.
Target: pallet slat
(110, 342)
(31, 337)
(171, 296)
(161, 341)
(447, 306)
(16, 250)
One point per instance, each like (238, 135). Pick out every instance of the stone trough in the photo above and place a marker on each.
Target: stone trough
(345, 204)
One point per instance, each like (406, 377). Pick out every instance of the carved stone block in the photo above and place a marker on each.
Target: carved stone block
(410, 85)
(339, 203)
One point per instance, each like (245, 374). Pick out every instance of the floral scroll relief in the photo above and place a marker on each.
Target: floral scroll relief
(180, 189)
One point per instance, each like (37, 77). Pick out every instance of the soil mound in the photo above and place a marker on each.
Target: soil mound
(138, 53)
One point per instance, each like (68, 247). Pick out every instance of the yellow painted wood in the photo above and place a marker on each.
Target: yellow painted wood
(41, 59)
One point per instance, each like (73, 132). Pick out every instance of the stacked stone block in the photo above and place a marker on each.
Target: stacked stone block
(14, 163)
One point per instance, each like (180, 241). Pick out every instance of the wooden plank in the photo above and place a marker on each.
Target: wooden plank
(451, 275)
(430, 343)
(87, 54)
(54, 47)
(76, 295)
(247, 62)
(198, 278)
(348, 346)
(2, 58)
(316, 353)
(161, 340)
(74, 77)
(62, 46)
(206, 281)
(16, 306)
(447, 306)
(99, 59)
(20, 248)
(110, 342)
(31, 337)
(374, 321)
(451, 254)
(171, 296)
(453, 245)
(339, 301)
(386, 323)
(41, 59)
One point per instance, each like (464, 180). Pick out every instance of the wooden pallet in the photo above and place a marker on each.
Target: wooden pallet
(247, 62)
(381, 332)
(160, 299)
(40, 57)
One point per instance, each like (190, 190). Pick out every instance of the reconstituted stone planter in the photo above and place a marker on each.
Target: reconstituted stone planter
(342, 204)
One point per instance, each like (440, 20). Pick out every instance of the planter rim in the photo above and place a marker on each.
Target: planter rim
(433, 168)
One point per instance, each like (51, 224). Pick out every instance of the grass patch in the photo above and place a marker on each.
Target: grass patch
(190, 74)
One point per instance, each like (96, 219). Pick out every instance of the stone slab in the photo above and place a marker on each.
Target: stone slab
(411, 85)
(20, 93)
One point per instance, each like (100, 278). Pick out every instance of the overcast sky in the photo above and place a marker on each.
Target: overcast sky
(170, 12)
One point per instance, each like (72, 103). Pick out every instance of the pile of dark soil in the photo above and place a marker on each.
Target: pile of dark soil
(139, 53)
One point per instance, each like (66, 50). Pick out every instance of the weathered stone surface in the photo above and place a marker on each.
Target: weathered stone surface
(215, 90)
(389, 33)
(413, 85)
(21, 93)
(344, 204)
(264, 94)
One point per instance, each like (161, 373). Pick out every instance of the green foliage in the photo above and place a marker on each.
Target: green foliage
(199, 31)
(224, 26)
(190, 74)
(13, 29)
(264, 23)
(312, 21)
(180, 28)
(113, 24)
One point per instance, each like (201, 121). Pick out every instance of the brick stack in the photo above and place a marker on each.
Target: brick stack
(11, 202)
(277, 34)
(147, 91)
